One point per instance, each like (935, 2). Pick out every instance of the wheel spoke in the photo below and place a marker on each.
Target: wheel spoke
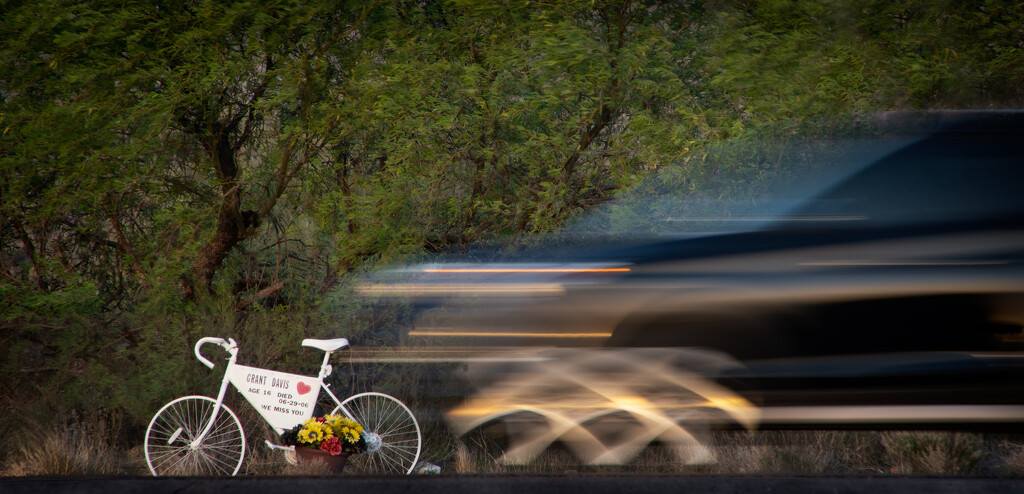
(395, 463)
(394, 424)
(220, 452)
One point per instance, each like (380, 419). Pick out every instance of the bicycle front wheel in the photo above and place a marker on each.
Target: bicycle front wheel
(174, 429)
(391, 432)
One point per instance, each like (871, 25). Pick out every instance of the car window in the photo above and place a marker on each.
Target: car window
(948, 167)
(953, 176)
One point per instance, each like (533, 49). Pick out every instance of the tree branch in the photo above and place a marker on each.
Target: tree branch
(30, 249)
(603, 118)
(284, 175)
(251, 106)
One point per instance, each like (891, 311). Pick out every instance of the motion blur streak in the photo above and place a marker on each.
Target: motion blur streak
(477, 290)
(605, 404)
(893, 414)
(881, 263)
(869, 278)
(440, 355)
(493, 334)
(529, 270)
(748, 219)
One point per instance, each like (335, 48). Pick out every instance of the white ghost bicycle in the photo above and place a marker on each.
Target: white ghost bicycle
(199, 435)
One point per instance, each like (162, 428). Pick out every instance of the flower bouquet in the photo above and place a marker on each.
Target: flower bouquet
(328, 438)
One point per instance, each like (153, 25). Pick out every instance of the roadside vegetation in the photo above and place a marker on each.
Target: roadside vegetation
(172, 170)
(862, 453)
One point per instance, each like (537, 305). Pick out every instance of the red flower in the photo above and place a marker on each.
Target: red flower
(332, 446)
(321, 419)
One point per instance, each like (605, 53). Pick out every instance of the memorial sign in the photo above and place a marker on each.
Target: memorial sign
(283, 399)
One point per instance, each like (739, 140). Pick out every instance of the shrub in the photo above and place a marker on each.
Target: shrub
(64, 452)
(932, 452)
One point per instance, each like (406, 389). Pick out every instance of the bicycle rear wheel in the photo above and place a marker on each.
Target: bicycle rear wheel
(391, 432)
(170, 435)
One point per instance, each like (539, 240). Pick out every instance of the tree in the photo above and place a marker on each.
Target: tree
(781, 59)
(148, 127)
(490, 120)
(149, 158)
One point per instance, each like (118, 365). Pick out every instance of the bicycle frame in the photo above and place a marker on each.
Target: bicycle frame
(283, 400)
(203, 435)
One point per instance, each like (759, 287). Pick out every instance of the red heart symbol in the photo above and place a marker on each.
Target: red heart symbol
(303, 388)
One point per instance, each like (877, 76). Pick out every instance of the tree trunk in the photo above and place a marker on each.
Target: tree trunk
(230, 230)
(213, 253)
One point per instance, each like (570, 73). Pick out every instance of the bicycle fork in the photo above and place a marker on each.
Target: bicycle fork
(232, 349)
(213, 417)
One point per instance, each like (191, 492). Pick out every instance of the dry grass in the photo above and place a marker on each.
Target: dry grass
(64, 453)
(477, 455)
(70, 451)
(462, 462)
(817, 452)
(854, 452)
(932, 452)
(788, 452)
(1013, 458)
(261, 460)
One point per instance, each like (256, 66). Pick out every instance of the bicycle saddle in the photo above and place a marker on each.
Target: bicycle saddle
(326, 345)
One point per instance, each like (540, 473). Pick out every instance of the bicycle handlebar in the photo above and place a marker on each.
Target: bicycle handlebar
(227, 344)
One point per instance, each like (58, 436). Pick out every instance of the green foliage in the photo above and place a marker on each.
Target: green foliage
(134, 135)
(484, 123)
(176, 170)
(793, 59)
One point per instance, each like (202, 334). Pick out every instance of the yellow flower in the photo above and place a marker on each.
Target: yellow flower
(313, 432)
(352, 424)
(340, 422)
(350, 434)
(334, 421)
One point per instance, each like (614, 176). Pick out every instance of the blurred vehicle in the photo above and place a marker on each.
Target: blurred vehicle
(881, 285)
